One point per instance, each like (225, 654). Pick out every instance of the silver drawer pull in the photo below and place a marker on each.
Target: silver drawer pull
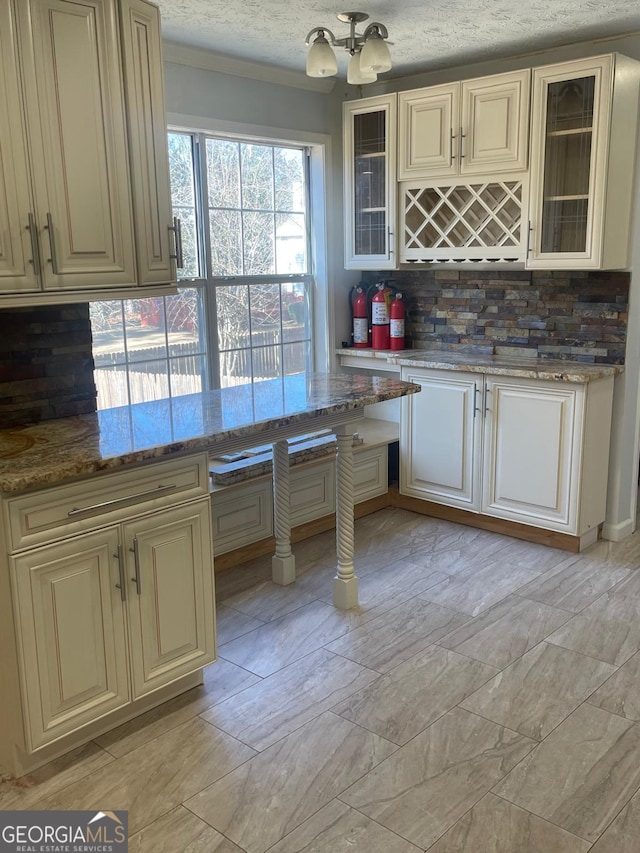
(177, 232)
(94, 508)
(32, 228)
(52, 243)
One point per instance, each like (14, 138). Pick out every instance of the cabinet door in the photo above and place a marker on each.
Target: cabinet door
(71, 632)
(142, 54)
(532, 452)
(570, 142)
(440, 438)
(370, 182)
(171, 607)
(17, 270)
(495, 124)
(428, 128)
(75, 109)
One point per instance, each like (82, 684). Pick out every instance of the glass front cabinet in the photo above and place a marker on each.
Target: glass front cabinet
(370, 182)
(583, 148)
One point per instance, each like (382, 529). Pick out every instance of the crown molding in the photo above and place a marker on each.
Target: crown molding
(195, 57)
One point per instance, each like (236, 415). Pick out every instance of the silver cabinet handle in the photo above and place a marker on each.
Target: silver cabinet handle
(178, 257)
(462, 136)
(32, 228)
(529, 230)
(121, 585)
(136, 563)
(52, 243)
(476, 391)
(453, 137)
(82, 510)
(389, 242)
(487, 391)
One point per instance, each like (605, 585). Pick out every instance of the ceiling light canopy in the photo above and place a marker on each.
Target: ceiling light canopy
(369, 52)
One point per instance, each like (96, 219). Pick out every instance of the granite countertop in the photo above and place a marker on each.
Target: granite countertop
(499, 365)
(57, 450)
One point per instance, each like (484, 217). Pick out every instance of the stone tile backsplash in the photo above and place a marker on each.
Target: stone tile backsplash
(568, 315)
(46, 364)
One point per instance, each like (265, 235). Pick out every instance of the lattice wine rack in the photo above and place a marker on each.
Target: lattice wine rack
(464, 222)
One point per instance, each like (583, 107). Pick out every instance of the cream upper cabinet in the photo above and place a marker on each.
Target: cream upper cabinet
(370, 182)
(76, 129)
(84, 181)
(16, 206)
(156, 236)
(582, 160)
(475, 127)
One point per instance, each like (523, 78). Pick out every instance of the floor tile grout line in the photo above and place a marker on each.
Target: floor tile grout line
(548, 820)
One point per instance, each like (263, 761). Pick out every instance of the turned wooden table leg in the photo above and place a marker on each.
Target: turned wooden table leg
(283, 563)
(345, 583)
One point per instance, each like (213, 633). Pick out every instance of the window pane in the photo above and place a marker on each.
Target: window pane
(108, 332)
(290, 183)
(226, 242)
(295, 312)
(296, 358)
(235, 367)
(259, 250)
(223, 173)
(145, 328)
(187, 375)
(184, 327)
(190, 255)
(266, 363)
(264, 301)
(181, 170)
(149, 381)
(291, 243)
(232, 308)
(257, 176)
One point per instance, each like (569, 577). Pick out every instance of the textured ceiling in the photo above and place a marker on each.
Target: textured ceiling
(426, 34)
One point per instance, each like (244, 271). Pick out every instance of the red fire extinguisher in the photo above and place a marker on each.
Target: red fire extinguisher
(360, 320)
(396, 326)
(380, 319)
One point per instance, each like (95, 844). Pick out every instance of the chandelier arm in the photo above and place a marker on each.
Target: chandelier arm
(326, 32)
(382, 30)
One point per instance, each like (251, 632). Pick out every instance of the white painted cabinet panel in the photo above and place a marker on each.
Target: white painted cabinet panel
(532, 451)
(475, 127)
(76, 126)
(526, 450)
(71, 633)
(147, 124)
(17, 269)
(440, 438)
(170, 595)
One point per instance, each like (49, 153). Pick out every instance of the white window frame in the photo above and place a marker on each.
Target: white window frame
(320, 154)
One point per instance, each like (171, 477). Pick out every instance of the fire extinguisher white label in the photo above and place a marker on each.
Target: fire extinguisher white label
(397, 329)
(360, 330)
(379, 313)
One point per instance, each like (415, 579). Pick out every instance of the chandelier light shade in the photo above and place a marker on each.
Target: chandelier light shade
(369, 51)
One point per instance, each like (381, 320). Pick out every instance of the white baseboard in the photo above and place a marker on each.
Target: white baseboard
(618, 532)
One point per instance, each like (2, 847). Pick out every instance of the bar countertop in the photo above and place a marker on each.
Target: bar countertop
(53, 451)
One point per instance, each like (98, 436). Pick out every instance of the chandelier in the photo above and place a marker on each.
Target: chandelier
(369, 52)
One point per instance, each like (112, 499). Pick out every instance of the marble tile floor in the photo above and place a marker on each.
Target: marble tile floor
(483, 698)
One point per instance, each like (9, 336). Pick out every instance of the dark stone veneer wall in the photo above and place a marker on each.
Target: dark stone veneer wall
(46, 365)
(580, 316)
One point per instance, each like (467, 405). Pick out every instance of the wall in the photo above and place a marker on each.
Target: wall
(46, 365)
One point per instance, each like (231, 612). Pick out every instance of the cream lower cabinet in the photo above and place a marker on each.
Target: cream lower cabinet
(110, 590)
(525, 450)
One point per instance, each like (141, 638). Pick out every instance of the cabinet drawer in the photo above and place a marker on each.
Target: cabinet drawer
(105, 498)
